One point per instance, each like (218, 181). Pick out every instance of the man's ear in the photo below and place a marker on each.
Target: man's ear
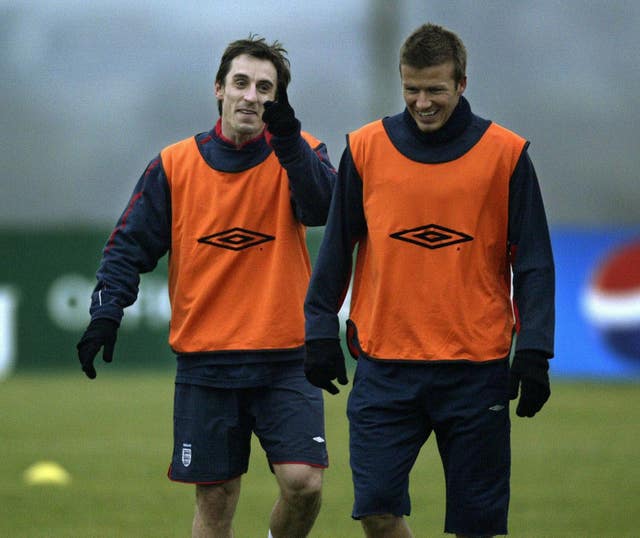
(462, 85)
(219, 91)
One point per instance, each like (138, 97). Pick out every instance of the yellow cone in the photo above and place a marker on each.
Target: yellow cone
(46, 472)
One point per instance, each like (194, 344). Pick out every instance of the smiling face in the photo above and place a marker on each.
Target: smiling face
(431, 94)
(248, 84)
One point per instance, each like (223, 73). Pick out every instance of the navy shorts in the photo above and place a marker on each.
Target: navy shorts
(213, 427)
(392, 410)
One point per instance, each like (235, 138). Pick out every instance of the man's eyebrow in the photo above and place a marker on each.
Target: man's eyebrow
(417, 84)
(243, 76)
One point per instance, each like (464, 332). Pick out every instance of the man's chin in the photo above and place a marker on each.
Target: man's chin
(249, 130)
(428, 127)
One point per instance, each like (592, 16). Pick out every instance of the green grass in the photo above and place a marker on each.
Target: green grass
(575, 466)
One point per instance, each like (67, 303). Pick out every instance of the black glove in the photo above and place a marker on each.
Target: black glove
(530, 372)
(279, 116)
(100, 332)
(323, 362)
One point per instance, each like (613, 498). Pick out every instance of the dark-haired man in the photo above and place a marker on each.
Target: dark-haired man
(231, 207)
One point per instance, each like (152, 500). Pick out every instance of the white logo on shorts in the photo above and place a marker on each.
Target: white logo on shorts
(186, 454)
(318, 439)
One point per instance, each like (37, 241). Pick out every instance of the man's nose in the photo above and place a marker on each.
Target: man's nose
(424, 100)
(251, 94)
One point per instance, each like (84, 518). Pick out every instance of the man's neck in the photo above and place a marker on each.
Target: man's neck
(235, 139)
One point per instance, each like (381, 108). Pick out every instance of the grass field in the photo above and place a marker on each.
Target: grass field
(575, 466)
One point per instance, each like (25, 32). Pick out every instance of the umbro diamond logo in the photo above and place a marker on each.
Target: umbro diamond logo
(431, 236)
(236, 239)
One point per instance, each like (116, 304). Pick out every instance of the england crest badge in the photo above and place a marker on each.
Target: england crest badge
(186, 454)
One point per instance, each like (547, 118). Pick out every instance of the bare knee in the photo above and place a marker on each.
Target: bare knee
(215, 508)
(299, 483)
(385, 525)
(218, 494)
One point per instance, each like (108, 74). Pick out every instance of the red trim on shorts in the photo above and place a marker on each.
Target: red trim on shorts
(318, 465)
(210, 483)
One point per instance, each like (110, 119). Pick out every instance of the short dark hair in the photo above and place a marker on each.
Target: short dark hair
(257, 47)
(431, 45)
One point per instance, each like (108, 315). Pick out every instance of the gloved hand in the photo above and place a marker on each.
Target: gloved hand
(100, 332)
(530, 372)
(323, 362)
(279, 116)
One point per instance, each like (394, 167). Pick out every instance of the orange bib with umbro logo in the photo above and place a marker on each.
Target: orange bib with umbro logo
(432, 278)
(238, 266)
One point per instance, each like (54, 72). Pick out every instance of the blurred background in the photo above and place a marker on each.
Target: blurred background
(91, 91)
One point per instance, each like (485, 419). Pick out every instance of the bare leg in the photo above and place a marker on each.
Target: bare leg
(215, 507)
(386, 526)
(295, 511)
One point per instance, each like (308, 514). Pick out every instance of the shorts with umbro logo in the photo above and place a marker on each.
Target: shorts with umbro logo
(213, 426)
(394, 407)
